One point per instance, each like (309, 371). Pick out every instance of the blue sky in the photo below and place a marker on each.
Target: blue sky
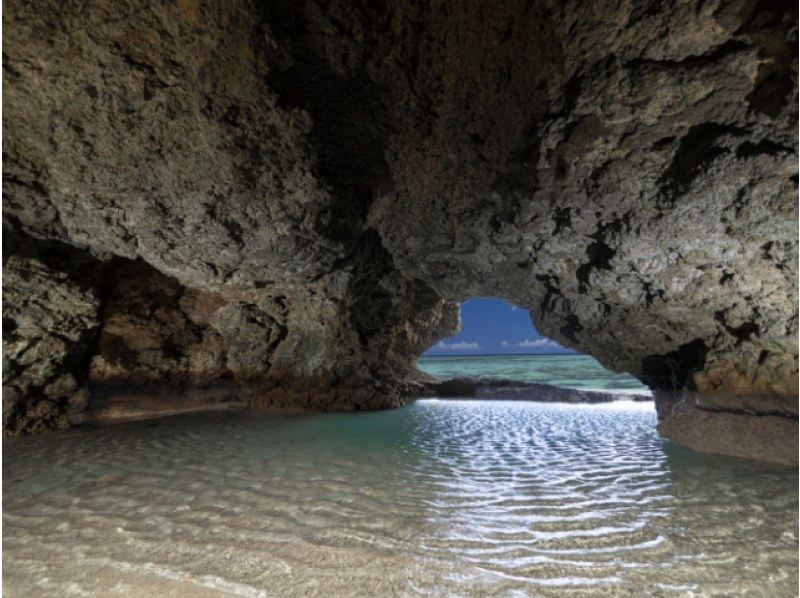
(495, 327)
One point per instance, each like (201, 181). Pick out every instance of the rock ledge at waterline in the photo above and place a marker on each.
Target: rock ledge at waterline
(297, 195)
(488, 388)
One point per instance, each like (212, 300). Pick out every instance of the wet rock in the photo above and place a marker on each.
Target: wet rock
(30, 413)
(113, 402)
(526, 391)
(736, 425)
(456, 387)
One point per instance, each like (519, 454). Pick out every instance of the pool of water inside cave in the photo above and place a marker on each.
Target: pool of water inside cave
(466, 498)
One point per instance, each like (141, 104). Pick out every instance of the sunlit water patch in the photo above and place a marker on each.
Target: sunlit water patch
(448, 498)
(568, 371)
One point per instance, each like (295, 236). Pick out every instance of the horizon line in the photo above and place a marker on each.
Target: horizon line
(571, 352)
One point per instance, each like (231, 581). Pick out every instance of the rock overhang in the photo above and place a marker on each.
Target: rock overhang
(318, 183)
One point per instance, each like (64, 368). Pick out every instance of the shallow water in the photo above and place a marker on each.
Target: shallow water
(456, 498)
(568, 371)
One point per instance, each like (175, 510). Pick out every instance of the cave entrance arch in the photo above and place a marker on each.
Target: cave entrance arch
(498, 340)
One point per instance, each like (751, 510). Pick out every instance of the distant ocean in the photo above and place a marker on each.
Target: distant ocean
(568, 371)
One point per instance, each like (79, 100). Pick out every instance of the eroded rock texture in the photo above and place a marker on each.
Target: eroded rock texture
(50, 319)
(291, 196)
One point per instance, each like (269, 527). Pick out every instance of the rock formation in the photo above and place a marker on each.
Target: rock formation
(516, 390)
(290, 198)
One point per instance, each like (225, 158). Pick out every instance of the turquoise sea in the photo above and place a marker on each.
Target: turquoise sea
(568, 371)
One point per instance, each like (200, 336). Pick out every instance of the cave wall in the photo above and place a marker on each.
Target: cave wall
(638, 194)
(293, 196)
(149, 138)
(50, 320)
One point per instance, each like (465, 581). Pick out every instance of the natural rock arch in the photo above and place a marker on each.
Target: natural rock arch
(293, 197)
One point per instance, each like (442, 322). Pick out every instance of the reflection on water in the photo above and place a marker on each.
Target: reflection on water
(456, 498)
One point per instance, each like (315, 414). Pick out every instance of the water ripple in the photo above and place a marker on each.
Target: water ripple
(441, 498)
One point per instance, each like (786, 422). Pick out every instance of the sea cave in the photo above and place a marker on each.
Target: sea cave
(278, 207)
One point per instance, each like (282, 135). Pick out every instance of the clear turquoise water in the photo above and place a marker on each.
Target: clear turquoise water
(440, 498)
(569, 371)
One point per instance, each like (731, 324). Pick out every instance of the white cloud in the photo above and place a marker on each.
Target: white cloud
(539, 343)
(459, 346)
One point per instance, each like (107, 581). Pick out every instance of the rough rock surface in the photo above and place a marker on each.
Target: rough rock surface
(49, 322)
(293, 195)
(154, 330)
(743, 426)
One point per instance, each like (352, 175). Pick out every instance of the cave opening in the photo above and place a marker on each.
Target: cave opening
(499, 341)
(492, 326)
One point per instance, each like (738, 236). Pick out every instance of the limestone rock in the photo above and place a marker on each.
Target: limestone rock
(149, 131)
(154, 330)
(49, 322)
(748, 427)
(295, 195)
(625, 197)
(483, 388)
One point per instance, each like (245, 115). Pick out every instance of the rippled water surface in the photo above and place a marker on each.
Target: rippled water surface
(456, 498)
(568, 371)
